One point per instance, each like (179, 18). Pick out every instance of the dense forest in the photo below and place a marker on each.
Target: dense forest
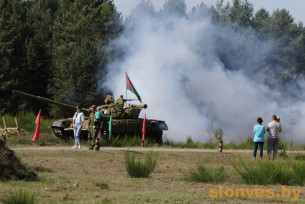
(60, 48)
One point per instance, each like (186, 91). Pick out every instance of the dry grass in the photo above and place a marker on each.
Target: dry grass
(100, 177)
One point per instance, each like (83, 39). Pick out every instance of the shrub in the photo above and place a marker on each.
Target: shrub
(12, 168)
(19, 197)
(300, 157)
(246, 144)
(140, 169)
(230, 145)
(189, 143)
(263, 172)
(283, 153)
(211, 144)
(218, 134)
(205, 175)
(298, 173)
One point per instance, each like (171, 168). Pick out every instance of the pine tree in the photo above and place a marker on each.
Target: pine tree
(82, 30)
(12, 51)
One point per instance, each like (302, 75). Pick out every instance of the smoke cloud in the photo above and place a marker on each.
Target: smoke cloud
(175, 65)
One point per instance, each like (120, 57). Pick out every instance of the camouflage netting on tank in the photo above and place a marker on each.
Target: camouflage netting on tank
(11, 167)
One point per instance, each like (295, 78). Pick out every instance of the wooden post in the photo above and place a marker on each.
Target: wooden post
(17, 127)
(4, 124)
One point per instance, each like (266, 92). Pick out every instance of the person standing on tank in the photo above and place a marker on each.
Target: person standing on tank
(274, 128)
(259, 130)
(78, 120)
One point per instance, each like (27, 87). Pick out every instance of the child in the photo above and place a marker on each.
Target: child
(259, 131)
(98, 114)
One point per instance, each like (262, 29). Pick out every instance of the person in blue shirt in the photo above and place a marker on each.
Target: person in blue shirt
(259, 131)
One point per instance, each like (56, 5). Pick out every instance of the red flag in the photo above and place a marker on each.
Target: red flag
(130, 87)
(143, 128)
(37, 121)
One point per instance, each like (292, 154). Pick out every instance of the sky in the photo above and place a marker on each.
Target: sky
(174, 64)
(295, 7)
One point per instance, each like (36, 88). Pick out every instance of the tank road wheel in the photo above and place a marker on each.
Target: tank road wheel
(58, 132)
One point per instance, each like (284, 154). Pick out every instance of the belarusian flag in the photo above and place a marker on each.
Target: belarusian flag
(130, 87)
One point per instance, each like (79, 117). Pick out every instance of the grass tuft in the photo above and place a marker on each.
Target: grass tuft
(298, 172)
(102, 185)
(140, 169)
(42, 169)
(206, 175)
(264, 172)
(190, 143)
(283, 153)
(19, 197)
(300, 157)
(126, 141)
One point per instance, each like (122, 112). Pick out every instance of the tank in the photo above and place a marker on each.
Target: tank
(126, 119)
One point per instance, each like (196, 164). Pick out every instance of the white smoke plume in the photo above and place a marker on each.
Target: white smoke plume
(172, 63)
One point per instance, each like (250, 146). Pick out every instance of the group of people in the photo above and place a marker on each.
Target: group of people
(95, 122)
(94, 126)
(274, 128)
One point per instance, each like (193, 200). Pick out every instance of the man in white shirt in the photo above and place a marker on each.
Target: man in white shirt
(274, 128)
(78, 120)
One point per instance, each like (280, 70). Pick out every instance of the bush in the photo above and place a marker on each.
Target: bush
(298, 173)
(218, 134)
(264, 172)
(189, 143)
(12, 168)
(230, 145)
(246, 144)
(19, 197)
(283, 153)
(205, 175)
(140, 169)
(300, 157)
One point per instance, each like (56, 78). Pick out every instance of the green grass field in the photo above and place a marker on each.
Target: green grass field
(67, 176)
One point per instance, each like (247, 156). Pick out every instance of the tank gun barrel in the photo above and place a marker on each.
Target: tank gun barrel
(138, 106)
(46, 100)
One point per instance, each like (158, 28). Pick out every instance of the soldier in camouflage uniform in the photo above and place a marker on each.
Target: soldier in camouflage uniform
(94, 126)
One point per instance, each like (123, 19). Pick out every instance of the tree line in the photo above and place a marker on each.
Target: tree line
(54, 48)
